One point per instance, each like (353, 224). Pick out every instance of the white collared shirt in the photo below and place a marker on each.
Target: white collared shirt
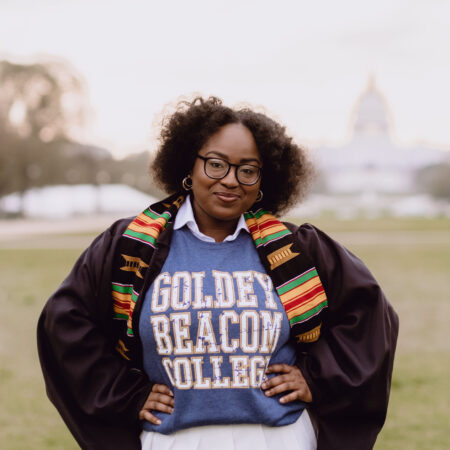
(186, 217)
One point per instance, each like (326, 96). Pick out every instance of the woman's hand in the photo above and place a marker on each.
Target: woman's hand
(290, 380)
(159, 399)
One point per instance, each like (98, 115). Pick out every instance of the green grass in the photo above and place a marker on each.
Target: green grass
(415, 280)
(413, 272)
(27, 419)
(419, 410)
(377, 225)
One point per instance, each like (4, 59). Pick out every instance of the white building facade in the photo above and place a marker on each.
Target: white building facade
(370, 175)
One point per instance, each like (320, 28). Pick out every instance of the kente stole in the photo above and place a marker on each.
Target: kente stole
(295, 278)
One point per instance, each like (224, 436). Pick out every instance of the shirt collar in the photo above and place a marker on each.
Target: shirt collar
(186, 217)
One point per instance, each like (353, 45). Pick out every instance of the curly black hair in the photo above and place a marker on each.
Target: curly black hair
(287, 170)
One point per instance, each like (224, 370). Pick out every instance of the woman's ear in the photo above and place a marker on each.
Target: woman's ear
(187, 182)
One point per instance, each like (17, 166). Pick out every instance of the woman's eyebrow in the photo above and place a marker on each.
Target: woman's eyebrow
(225, 157)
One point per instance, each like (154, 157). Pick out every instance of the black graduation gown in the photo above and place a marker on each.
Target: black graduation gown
(99, 394)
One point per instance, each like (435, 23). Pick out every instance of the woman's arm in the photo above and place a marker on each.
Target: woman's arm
(349, 369)
(96, 391)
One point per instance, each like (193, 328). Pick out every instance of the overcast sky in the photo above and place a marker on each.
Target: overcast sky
(305, 62)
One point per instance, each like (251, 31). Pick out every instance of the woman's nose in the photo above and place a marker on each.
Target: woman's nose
(230, 180)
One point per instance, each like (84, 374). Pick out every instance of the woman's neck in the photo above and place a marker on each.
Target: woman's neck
(218, 231)
(212, 227)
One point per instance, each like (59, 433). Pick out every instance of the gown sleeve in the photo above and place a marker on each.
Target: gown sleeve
(96, 391)
(349, 369)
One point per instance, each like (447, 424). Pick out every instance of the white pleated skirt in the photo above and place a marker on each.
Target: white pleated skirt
(298, 436)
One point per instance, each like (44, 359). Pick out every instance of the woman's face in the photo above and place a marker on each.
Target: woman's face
(221, 202)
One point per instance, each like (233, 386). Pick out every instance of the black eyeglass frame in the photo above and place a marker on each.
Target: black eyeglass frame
(205, 160)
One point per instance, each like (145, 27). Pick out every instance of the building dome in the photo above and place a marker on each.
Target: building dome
(371, 115)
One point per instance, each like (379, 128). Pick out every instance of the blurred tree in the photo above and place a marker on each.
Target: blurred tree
(41, 105)
(45, 100)
(133, 170)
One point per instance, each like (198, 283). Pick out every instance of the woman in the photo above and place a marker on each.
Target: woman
(205, 316)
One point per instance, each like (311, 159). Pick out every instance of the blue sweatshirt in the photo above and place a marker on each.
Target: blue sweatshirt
(210, 323)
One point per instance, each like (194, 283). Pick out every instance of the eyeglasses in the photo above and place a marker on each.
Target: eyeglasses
(217, 169)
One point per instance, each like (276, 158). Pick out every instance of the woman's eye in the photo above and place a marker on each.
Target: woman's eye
(217, 164)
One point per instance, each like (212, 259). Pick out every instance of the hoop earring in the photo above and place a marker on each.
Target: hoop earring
(260, 196)
(187, 183)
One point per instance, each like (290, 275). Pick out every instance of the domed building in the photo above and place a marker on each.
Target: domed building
(371, 161)
(371, 175)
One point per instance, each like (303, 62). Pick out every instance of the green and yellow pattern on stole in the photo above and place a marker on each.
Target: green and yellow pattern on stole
(296, 280)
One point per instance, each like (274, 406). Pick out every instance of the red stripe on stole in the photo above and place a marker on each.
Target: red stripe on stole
(122, 303)
(254, 227)
(264, 232)
(310, 292)
(263, 225)
(304, 299)
(314, 281)
(268, 224)
(155, 225)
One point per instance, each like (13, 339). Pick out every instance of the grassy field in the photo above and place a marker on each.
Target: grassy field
(410, 259)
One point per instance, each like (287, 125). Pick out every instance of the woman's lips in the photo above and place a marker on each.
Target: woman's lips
(226, 196)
